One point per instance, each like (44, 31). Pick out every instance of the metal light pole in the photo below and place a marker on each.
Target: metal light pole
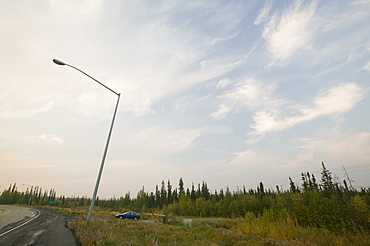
(58, 62)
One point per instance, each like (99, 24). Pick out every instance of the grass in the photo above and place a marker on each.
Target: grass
(287, 229)
(210, 232)
(250, 230)
(118, 232)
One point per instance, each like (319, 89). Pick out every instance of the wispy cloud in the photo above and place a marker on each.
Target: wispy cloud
(89, 8)
(332, 147)
(174, 52)
(337, 145)
(12, 112)
(51, 138)
(343, 19)
(334, 101)
(162, 140)
(213, 41)
(43, 138)
(223, 83)
(263, 14)
(250, 93)
(289, 32)
(367, 50)
(221, 112)
(367, 66)
(271, 113)
(196, 85)
(26, 139)
(361, 2)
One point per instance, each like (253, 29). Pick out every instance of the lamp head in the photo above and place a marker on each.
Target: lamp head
(58, 62)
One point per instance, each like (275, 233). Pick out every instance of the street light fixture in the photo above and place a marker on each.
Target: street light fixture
(59, 62)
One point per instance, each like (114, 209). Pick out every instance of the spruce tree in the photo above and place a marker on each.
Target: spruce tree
(181, 186)
(327, 184)
(169, 192)
(293, 187)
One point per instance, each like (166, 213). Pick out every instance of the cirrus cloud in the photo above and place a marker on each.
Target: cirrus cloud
(290, 31)
(331, 102)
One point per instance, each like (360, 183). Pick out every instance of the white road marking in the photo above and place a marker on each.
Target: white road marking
(28, 221)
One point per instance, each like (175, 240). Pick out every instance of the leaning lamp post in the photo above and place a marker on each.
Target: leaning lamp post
(58, 62)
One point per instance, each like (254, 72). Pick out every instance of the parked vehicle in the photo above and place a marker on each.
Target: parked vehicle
(128, 215)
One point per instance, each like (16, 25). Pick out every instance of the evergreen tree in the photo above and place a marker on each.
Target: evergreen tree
(158, 197)
(151, 200)
(169, 192)
(304, 182)
(221, 195)
(261, 190)
(215, 197)
(315, 186)
(141, 199)
(187, 192)
(198, 193)
(125, 201)
(293, 188)
(175, 196)
(205, 191)
(4, 198)
(309, 182)
(192, 192)
(163, 194)
(327, 184)
(181, 186)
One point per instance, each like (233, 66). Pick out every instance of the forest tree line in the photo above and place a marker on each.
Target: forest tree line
(324, 203)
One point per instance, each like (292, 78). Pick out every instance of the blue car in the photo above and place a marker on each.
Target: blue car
(128, 215)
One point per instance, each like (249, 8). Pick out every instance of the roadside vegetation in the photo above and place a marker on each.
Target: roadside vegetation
(323, 212)
(210, 231)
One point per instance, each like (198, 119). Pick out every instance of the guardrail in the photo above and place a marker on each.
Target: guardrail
(165, 216)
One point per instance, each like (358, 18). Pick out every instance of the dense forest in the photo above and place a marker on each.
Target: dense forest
(324, 203)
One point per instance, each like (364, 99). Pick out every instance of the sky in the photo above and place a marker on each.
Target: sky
(232, 93)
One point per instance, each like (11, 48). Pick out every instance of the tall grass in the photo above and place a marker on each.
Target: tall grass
(201, 232)
(269, 229)
(134, 233)
(287, 229)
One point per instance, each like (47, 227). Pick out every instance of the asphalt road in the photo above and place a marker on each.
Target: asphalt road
(48, 228)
